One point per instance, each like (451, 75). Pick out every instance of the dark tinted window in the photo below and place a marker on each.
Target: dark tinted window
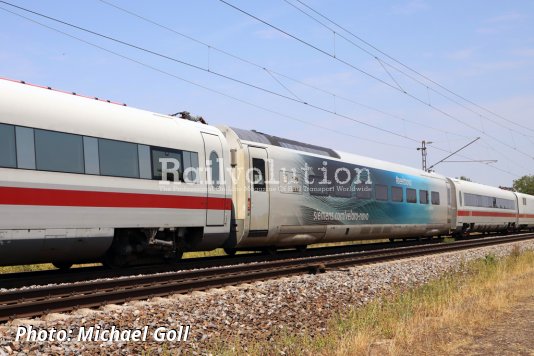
(258, 174)
(483, 201)
(423, 196)
(381, 192)
(316, 187)
(411, 195)
(505, 204)
(396, 194)
(59, 152)
(342, 184)
(8, 153)
(435, 198)
(363, 191)
(190, 167)
(215, 175)
(171, 160)
(118, 159)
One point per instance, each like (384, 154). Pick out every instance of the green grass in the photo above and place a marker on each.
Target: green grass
(38, 267)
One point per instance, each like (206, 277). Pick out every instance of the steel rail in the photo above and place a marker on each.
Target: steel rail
(37, 301)
(41, 278)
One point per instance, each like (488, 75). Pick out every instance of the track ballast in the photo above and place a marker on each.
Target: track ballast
(37, 301)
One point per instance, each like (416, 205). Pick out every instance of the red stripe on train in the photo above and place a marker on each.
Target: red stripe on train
(79, 198)
(486, 213)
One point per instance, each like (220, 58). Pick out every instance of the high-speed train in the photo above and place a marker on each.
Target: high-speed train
(86, 180)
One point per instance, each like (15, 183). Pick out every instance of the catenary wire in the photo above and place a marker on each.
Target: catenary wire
(203, 86)
(274, 73)
(224, 94)
(406, 66)
(376, 78)
(194, 66)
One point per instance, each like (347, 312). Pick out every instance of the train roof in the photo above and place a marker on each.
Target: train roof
(266, 139)
(260, 137)
(39, 107)
(482, 189)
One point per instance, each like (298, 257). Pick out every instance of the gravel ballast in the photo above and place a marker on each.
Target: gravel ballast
(259, 311)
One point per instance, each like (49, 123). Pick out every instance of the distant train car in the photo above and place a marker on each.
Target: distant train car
(483, 209)
(301, 194)
(80, 180)
(525, 203)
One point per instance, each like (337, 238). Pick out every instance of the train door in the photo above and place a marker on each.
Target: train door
(451, 204)
(259, 192)
(214, 178)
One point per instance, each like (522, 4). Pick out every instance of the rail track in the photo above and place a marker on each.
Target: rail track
(46, 277)
(60, 298)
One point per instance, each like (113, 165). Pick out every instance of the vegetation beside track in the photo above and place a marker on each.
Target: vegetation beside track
(437, 318)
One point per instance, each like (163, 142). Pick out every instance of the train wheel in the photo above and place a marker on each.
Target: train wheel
(269, 251)
(175, 257)
(62, 265)
(230, 251)
(301, 248)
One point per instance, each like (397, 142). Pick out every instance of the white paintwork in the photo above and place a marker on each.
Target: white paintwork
(259, 200)
(212, 143)
(527, 209)
(29, 106)
(463, 187)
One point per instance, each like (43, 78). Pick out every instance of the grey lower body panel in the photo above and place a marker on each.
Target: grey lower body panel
(41, 246)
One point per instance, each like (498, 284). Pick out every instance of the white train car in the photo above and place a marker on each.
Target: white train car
(81, 180)
(526, 211)
(85, 180)
(291, 194)
(482, 208)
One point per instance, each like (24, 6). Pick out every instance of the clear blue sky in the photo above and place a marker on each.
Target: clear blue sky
(483, 50)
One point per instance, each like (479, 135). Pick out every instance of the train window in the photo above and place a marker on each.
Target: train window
(460, 196)
(435, 198)
(423, 196)
(215, 172)
(381, 192)
(505, 204)
(258, 174)
(190, 164)
(524, 201)
(411, 195)
(90, 150)
(315, 187)
(118, 159)
(363, 191)
(343, 187)
(483, 201)
(8, 153)
(59, 152)
(169, 159)
(470, 199)
(25, 147)
(143, 153)
(397, 194)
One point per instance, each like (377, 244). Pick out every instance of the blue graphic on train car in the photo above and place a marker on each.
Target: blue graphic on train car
(342, 193)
